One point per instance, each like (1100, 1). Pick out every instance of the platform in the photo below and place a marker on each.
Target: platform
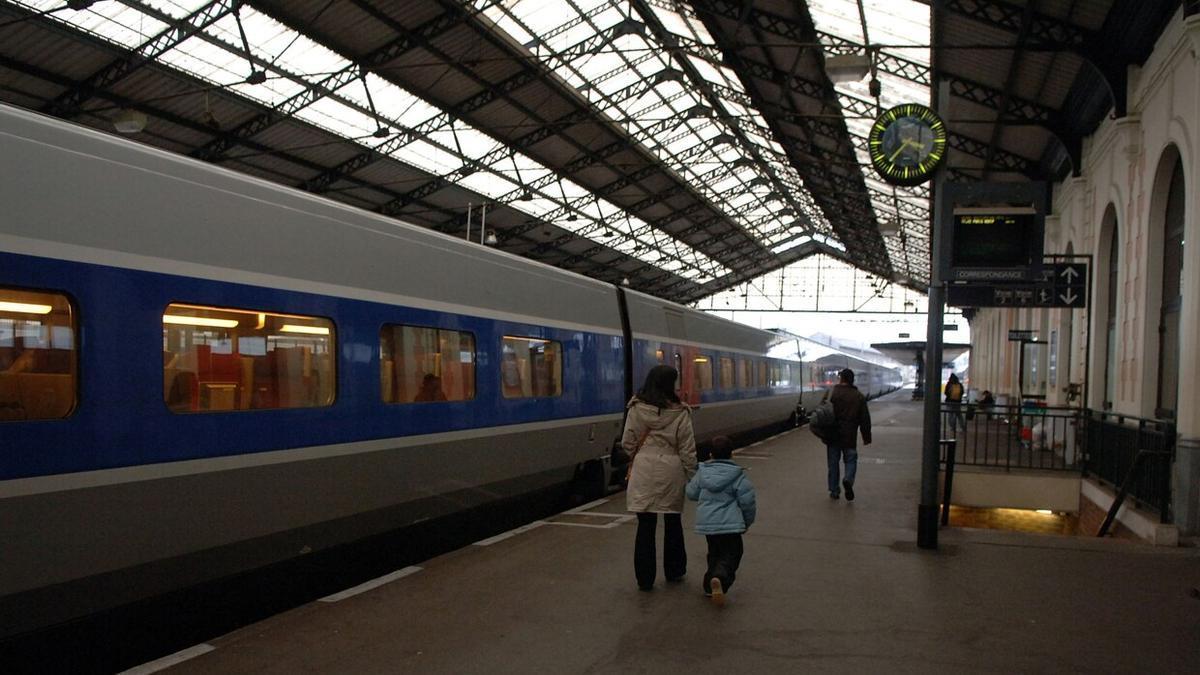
(825, 586)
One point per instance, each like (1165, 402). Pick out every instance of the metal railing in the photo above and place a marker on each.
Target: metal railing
(1014, 437)
(1112, 444)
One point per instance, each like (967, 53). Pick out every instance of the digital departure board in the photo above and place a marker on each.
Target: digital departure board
(1002, 244)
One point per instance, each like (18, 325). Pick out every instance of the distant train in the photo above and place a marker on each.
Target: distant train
(203, 373)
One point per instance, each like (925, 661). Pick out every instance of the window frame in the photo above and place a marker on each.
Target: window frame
(332, 351)
(562, 357)
(438, 330)
(75, 360)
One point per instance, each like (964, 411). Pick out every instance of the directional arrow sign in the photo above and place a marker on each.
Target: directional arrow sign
(1069, 297)
(1070, 273)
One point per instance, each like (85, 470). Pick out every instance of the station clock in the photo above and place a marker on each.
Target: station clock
(907, 143)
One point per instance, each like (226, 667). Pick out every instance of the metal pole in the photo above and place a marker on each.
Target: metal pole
(468, 221)
(927, 510)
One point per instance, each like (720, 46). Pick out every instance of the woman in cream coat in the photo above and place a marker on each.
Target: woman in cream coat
(658, 434)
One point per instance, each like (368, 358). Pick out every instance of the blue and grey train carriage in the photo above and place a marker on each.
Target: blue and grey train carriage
(203, 373)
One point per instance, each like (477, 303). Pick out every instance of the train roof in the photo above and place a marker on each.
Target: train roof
(76, 193)
(139, 206)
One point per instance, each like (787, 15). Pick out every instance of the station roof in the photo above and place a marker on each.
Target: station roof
(684, 146)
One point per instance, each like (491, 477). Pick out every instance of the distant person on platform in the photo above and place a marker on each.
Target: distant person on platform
(841, 445)
(954, 399)
(726, 510)
(986, 403)
(659, 437)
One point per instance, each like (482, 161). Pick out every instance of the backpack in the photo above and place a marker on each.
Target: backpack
(954, 392)
(823, 421)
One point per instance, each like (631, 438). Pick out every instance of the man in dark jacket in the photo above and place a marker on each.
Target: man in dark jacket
(850, 409)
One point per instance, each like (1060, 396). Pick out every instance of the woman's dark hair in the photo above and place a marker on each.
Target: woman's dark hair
(659, 389)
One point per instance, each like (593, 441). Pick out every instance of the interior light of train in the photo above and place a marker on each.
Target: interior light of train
(1047, 512)
(701, 359)
(310, 330)
(526, 339)
(199, 321)
(25, 308)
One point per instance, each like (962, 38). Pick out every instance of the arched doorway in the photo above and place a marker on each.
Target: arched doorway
(1171, 304)
(1108, 265)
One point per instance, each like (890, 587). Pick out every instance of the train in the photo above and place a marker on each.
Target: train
(203, 373)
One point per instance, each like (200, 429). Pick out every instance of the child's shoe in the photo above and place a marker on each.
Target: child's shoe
(718, 594)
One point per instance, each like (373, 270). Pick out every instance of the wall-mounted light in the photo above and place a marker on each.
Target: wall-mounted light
(307, 330)
(199, 321)
(491, 239)
(129, 121)
(847, 67)
(24, 308)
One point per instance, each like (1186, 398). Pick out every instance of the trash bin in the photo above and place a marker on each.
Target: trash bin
(1032, 414)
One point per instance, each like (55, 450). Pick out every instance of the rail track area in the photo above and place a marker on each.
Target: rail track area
(824, 585)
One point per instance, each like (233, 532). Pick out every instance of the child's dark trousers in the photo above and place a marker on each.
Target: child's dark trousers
(724, 556)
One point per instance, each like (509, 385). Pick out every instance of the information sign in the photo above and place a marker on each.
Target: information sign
(1059, 285)
(1022, 336)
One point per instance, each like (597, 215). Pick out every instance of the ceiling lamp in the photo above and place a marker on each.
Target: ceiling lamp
(889, 228)
(491, 239)
(847, 67)
(129, 121)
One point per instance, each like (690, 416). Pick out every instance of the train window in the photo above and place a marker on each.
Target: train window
(743, 374)
(702, 372)
(418, 364)
(777, 375)
(217, 359)
(530, 367)
(37, 355)
(658, 354)
(726, 372)
(762, 373)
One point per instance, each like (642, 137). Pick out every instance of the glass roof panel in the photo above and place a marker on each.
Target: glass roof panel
(698, 119)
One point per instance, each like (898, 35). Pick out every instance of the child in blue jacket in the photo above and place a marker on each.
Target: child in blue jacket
(726, 510)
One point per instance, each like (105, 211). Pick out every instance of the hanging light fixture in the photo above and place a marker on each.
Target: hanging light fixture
(129, 121)
(847, 67)
(491, 239)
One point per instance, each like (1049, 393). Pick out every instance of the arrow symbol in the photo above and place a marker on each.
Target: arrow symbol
(1069, 273)
(1070, 297)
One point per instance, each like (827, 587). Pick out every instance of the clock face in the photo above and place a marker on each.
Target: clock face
(907, 143)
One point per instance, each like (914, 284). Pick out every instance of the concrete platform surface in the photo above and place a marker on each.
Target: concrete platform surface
(825, 586)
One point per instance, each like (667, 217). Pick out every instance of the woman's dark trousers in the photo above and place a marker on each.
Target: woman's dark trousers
(645, 557)
(724, 556)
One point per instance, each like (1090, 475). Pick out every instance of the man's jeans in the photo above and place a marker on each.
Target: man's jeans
(834, 453)
(956, 419)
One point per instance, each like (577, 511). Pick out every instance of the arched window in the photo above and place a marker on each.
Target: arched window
(1172, 298)
(1110, 319)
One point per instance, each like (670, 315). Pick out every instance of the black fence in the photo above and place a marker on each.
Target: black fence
(1014, 437)
(1111, 444)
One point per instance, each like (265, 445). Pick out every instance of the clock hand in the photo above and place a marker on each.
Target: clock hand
(903, 144)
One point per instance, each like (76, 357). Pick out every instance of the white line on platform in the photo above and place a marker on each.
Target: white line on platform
(368, 585)
(619, 520)
(168, 661)
(511, 533)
